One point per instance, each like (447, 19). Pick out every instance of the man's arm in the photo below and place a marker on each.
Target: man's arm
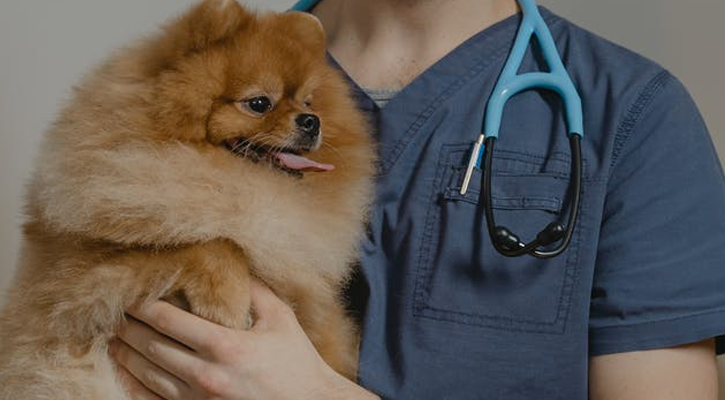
(679, 373)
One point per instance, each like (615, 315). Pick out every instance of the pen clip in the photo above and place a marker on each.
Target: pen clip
(473, 162)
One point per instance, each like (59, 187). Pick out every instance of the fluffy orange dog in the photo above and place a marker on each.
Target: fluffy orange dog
(222, 147)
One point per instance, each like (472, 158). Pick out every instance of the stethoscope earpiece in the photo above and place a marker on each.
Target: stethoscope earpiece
(551, 234)
(507, 240)
(502, 237)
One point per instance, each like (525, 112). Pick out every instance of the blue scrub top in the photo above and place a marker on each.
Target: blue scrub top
(449, 318)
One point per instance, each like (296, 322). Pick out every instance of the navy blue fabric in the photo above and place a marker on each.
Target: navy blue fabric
(448, 317)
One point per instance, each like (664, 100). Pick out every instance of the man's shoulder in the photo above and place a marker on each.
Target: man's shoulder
(593, 49)
(598, 64)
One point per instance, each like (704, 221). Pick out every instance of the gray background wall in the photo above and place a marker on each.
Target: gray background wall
(45, 45)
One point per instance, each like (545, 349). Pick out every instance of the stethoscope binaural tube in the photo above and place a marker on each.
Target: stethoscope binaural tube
(508, 243)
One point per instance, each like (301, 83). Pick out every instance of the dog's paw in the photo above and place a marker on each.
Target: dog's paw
(215, 283)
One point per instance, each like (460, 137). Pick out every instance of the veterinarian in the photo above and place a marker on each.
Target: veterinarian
(628, 311)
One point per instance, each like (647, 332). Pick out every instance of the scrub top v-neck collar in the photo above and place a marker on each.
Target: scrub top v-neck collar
(398, 122)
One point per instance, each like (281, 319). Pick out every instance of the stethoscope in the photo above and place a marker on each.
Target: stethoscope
(510, 83)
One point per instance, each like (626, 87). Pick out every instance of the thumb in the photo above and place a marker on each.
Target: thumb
(266, 306)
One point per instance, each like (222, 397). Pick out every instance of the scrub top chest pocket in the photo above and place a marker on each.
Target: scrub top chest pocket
(460, 276)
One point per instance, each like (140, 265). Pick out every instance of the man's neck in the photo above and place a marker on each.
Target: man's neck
(387, 43)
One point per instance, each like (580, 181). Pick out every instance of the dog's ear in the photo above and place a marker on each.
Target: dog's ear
(305, 27)
(205, 23)
(202, 25)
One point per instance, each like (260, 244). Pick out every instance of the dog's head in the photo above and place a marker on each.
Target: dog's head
(259, 85)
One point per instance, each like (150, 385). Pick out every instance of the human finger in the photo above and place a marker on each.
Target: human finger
(148, 374)
(134, 388)
(163, 351)
(267, 307)
(184, 327)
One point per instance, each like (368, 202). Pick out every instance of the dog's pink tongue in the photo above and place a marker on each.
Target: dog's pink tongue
(299, 163)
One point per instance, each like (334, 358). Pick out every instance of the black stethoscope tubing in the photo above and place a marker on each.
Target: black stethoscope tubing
(505, 241)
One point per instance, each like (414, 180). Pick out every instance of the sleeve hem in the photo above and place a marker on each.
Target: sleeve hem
(656, 334)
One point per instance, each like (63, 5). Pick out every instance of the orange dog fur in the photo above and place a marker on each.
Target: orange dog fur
(136, 196)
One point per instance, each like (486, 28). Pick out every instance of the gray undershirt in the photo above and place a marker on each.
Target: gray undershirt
(381, 97)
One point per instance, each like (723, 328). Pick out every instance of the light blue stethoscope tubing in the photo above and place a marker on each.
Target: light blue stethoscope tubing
(304, 5)
(511, 83)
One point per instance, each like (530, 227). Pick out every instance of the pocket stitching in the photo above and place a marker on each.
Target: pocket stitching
(423, 269)
(550, 203)
(421, 308)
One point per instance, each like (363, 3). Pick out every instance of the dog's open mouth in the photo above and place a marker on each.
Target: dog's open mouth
(289, 160)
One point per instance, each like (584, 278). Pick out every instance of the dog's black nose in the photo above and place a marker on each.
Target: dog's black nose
(308, 124)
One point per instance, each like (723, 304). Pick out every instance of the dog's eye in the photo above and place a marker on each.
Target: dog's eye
(259, 105)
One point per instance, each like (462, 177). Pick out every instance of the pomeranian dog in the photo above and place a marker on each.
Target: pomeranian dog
(221, 148)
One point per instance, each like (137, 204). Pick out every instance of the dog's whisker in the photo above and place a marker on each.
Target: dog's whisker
(243, 146)
(337, 152)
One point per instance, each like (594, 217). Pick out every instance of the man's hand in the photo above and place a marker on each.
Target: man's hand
(166, 353)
